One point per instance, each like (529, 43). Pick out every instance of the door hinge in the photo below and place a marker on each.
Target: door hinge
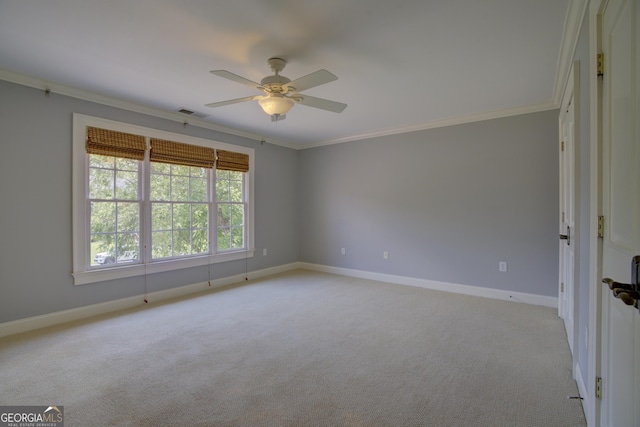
(601, 226)
(598, 388)
(562, 146)
(562, 216)
(561, 287)
(600, 64)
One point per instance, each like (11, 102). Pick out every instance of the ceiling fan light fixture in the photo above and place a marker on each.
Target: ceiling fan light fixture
(276, 104)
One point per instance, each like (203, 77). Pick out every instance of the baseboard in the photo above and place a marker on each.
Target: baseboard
(56, 318)
(438, 286)
(37, 322)
(582, 390)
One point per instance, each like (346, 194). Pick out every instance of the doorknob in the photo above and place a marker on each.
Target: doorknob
(627, 297)
(567, 236)
(615, 285)
(629, 293)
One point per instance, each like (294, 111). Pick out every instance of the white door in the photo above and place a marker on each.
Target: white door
(567, 213)
(620, 328)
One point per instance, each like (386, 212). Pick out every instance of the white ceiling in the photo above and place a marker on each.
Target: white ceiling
(401, 64)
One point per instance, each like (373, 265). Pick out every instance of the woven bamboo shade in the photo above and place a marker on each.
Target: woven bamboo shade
(232, 161)
(178, 153)
(111, 143)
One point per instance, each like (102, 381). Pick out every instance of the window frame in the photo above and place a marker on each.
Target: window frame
(83, 272)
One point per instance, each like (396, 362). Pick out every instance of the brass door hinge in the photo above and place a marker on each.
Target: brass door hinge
(598, 388)
(562, 216)
(600, 64)
(561, 145)
(601, 226)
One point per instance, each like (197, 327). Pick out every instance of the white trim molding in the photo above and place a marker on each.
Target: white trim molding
(572, 26)
(477, 291)
(87, 311)
(59, 317)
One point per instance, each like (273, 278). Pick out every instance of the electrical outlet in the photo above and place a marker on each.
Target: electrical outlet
(264, 252)
(385, 255)
(343, 251)
(502, 266)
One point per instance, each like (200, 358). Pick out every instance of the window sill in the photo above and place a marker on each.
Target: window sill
(120, 272)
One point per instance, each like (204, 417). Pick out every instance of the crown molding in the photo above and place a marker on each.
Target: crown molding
(43, 84)
(440, 123)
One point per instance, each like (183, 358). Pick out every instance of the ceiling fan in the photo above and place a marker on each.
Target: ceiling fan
(280, 93)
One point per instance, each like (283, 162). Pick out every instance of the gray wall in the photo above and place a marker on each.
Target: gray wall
(447, 204)
(35, 219)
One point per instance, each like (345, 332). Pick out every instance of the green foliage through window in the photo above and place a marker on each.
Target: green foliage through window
(230, 209)
(114, 221)
(179, 210)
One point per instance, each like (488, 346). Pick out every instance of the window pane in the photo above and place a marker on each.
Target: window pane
(181, 215)
(237, 237)
(235, 191)
(179, 188)
(106, 162)
(160, 187)
(160, 167)
(222, 175)
(236, 176)
(224, 238)
(128, 217)
(102, 249)
(200, 216)
(126, 164)
(161, 216)
(224, 214)
(180, 170)
(198, 172)
(222, 191)
(237, 215)
(103, 217)
(161, 247)
(126, 185)
(198, 189)
(128, 248)
(181, 242)
(200, 241)
(101, 183)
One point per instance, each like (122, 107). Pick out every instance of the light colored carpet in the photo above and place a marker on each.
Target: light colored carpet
(302, 349)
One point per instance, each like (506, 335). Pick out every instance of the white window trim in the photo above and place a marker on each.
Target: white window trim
(81, 273)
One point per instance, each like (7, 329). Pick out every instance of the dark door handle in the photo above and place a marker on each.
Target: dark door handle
(567, 236)
(629, 293)
(627, 297)
(616, 285)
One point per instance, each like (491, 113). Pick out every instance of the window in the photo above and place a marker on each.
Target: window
(114, 218)
(149, 201)
(230, 209)
(179, 211)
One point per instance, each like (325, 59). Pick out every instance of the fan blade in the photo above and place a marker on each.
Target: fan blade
(236, 78)
(233, 101)
(317, 78)
(323, 104)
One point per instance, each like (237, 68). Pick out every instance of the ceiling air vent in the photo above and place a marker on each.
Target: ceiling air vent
(191, 113)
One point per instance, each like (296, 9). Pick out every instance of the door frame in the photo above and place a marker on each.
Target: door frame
(569, 158)
(592, 404)
(596, 301)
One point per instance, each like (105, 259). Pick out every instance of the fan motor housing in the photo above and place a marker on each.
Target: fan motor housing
(275, 83)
